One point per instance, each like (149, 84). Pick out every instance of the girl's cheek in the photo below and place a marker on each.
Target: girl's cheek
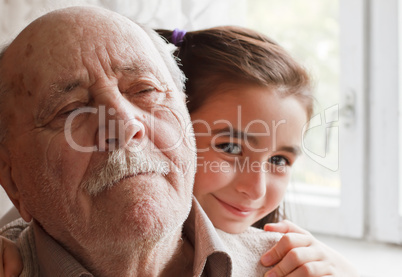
(212, 177)
(280, 187)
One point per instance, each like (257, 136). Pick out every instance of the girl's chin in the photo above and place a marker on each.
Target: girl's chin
(233, 228)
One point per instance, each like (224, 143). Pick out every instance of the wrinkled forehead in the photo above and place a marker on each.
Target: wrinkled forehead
(65, 41)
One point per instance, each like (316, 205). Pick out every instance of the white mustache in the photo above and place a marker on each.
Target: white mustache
(123, 163)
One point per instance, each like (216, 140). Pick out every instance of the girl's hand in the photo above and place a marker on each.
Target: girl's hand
(10, 259)
(298, 253)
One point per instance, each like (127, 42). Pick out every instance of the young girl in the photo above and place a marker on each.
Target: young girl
(249, 102)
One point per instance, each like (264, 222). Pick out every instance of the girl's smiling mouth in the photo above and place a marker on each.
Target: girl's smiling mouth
(235, 209)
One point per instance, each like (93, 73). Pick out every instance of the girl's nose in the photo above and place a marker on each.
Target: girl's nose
(253, 184)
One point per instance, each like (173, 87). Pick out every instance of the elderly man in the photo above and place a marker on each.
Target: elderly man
(97, 149)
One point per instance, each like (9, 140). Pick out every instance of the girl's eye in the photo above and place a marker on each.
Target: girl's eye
(230, 148)
(279, 161)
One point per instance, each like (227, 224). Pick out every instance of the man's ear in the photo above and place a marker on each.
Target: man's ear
(9, 185)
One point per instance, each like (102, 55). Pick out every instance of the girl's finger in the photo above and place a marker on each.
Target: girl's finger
(295, 259)
(313, 269)
(285, 244)
(285, 226)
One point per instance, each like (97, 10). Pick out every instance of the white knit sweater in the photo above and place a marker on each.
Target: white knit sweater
(246, 249)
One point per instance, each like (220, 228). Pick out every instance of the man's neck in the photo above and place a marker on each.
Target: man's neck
(170, 257)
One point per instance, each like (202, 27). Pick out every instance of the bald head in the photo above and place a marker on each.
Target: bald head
(68, 35)
(71, 25)
(63, 33)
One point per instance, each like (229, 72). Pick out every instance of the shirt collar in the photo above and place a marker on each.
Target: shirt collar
(210, 258)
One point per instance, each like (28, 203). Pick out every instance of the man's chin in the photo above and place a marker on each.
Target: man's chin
(140, 209)
(145, 219)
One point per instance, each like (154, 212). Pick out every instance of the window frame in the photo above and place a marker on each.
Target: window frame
(343, 214)
(370, 132)
(385, 221)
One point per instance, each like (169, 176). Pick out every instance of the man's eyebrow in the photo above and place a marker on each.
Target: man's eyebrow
(58, 92)
(233, 132)
(140, 70)
(134, 69)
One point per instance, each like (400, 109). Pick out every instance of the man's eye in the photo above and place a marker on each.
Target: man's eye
(147, 90)
(68, 112)
(279, 161)
(230, 148)
(69, 109)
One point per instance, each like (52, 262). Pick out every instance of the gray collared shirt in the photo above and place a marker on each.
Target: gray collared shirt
(43, 256)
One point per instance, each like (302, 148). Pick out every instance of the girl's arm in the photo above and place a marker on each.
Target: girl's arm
(10, 258)
(298, 253)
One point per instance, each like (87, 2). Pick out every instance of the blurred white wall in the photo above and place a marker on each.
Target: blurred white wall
(5, 204)
(186, 14)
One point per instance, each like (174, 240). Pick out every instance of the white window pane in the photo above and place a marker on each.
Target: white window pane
(309, 30)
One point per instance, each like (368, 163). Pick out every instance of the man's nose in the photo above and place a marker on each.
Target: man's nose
(253, 184)
(120, 123)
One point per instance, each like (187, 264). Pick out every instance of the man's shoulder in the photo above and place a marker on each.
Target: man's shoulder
(252, 240)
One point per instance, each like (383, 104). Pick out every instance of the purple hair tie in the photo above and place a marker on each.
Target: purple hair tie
(178, 36)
